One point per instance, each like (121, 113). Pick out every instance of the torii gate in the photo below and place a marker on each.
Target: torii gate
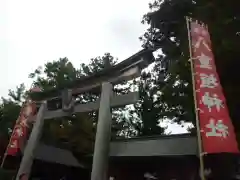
(124, 71)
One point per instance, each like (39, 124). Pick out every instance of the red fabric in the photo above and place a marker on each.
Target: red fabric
(13, 147)
(217, 131)
(20, 130)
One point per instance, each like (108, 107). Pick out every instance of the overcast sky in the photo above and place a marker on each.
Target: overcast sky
(33, 32)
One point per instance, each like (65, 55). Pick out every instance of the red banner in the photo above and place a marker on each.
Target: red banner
(217, 131)
(20, 130)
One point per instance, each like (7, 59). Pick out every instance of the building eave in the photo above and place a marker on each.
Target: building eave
(161, 146)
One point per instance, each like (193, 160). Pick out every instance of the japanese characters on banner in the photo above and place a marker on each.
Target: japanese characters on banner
(21, 127)
(216, 128)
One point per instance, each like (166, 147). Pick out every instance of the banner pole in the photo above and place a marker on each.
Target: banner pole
(200, 148)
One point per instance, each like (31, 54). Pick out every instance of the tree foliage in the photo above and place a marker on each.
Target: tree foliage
(10, 108)
(167, 31)
(76, 132)
(171, 71)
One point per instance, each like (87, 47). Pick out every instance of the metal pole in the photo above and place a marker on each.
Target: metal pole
(28, 156)
(103, 135)
(200, 148)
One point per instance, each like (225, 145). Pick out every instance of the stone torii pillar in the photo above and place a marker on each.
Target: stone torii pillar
(103, 135)
(27, 160)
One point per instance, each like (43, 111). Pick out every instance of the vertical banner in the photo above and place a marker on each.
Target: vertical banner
(20, 130)
(216, 129)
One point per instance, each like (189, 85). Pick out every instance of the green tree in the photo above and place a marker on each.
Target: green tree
(167, 31)
(172, 69)
(71, 131)
(10, 108)
(77, 132)
(67, 132)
